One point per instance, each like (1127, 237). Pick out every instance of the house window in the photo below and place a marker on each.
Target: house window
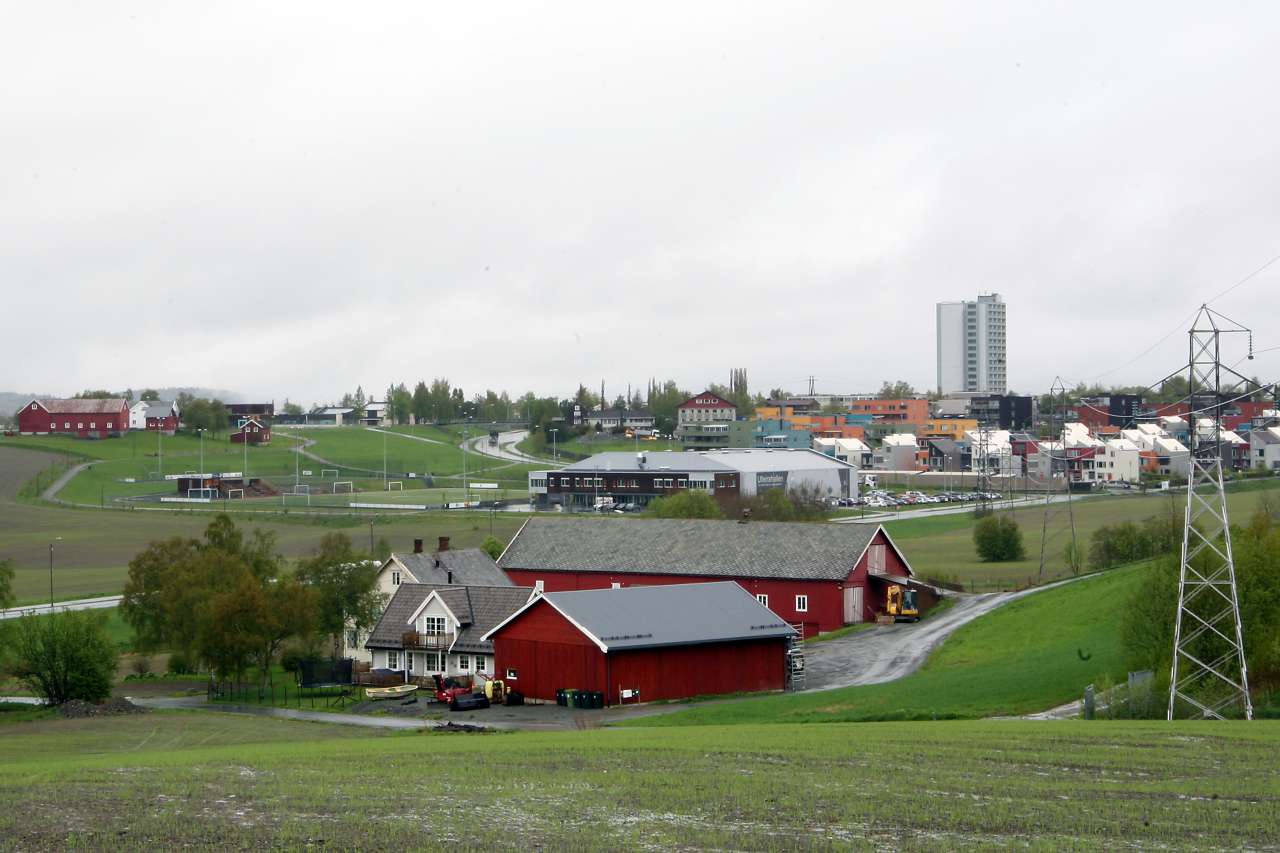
(93, 425)
(409, 656)
(539, 587)
(108, 424)
(875, 558)
(395, 579)
(393, 660)
(464, 662)
(763, 599)
(433, 625)
(511, 674)
(802, 604)
(615, 585)
(479, 663)
(67, 425)
(79, 424)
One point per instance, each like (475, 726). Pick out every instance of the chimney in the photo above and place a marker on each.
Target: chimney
(448, 578)
(443, 544)
(417, 546)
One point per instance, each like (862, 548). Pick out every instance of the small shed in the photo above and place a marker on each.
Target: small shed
(644, 642)
(251, 430)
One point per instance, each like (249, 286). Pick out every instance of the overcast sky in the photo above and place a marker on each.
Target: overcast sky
(289, 200)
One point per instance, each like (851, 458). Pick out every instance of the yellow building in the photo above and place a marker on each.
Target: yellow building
(953, 428)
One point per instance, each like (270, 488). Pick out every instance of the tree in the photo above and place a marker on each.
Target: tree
(291, 408)
(65, 656)
(6, 584)
(149, 395)
(492, 546)
(344, 582)
(899, 390)
(144, 604)
(97, 394)
(689, 504)
(998, 539)
(209, 415)
(421, 405)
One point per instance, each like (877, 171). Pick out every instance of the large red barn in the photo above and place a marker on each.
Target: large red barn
(821, 576)
(79, 417)
(646, 643)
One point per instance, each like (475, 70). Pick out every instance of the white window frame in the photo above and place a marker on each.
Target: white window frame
(512, 675)
(395, 579)
(393, 661)
(763, 598)
(802, 604)
(464, 663)
(478, 663)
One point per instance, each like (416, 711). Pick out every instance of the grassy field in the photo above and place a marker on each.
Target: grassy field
(165, 780)
(95, 547)
(942, 546)
(974, 673)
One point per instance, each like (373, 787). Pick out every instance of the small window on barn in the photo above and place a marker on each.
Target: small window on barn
(67, 425)
(511, 674)
(108, 424)
(93, 425)
(763, 599)
(802, 604)
(615, 585)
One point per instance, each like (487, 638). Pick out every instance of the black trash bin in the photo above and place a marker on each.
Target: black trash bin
(560, 700)
(597, 700)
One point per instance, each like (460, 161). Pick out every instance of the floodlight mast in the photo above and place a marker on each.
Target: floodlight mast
(1209, 674)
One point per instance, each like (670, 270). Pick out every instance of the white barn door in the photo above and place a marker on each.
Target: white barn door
(852, 604)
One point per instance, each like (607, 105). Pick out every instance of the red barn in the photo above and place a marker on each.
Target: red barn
(79, 417)
(822, 576)
(655, 642)
(251, 430)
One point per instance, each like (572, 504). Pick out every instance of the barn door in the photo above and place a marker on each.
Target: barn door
(852, 604)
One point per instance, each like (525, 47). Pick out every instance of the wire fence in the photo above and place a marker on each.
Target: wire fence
(284, 695)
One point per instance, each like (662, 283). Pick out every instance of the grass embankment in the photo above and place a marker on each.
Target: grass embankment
(942, 546)
(1031, 654)
(214, 780)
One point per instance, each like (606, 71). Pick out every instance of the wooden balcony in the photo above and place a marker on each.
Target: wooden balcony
(415, 641)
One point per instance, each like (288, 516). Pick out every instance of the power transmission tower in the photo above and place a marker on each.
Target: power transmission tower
(1209, 672)
(1058, 436)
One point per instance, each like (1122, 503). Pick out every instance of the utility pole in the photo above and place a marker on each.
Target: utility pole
(1209, 674)
(1057, 435)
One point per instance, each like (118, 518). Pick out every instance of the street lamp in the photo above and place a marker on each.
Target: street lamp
(202, 480)
(56, 539)
(553, 443)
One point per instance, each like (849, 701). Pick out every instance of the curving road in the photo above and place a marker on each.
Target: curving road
(506, 449)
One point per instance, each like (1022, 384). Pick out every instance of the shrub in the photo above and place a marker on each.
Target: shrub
(685, 505)
(180, 664)
(492, 546)
(141, 665)
(66, 656)
(998, 539)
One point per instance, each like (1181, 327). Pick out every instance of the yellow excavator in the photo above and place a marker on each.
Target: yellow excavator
(901, 604)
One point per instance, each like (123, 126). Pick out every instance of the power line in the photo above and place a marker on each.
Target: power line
(1251, 275)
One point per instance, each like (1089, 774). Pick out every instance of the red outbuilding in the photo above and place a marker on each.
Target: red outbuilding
(251, 430)
(820, 576)
(80, 417)
(642, 643)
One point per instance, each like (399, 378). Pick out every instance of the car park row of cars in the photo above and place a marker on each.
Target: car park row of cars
(880, 498)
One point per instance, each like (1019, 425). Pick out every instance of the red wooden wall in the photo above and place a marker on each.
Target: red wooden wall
(548, 654)
(38, 420)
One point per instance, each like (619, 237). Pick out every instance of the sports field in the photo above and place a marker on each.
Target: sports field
(95, 547)
(168, 780)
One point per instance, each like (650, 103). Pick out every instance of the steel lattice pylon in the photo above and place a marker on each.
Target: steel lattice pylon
(1057, 435)
(1209, 673)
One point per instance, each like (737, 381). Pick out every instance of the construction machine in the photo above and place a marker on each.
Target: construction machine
(901, 604)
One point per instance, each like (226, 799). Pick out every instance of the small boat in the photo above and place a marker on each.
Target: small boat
(390, 692)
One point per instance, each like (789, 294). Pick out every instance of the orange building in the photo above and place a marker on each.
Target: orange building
(911, 410)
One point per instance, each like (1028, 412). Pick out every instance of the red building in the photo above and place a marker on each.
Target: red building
(820, 576)
(79, 417)
(704, 408)
(642, 643)
(251, 430)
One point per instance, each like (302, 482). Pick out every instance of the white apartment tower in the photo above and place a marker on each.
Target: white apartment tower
(971, 346)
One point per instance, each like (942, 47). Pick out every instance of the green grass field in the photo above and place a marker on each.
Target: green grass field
(167, 780)
(95, 548)
(976, 672)
(942, 546)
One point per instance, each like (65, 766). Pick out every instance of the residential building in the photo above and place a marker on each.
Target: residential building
(83, 418)
(702, 409)
(1113, 410)
(947, 455)
(822, 576)
(1002, 411)
(852, 451)
(952, 428)
(620, 419)
(897, 452)
(376, 413)
(710, 436)
(909, 410)
(252, 431)
(154, 415)
(768, 432)
(1264, 447)
(433, 629)
(264, 412)
(972, 352)
(647, 643)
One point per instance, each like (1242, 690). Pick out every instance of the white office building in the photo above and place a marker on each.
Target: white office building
(971, 346)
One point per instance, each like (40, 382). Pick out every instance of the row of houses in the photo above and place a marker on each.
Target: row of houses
(653, 608)
(106, 418)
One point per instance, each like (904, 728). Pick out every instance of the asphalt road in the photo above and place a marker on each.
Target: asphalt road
(506, 449)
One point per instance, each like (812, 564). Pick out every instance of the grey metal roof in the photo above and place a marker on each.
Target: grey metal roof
(470, 567)
(674, 460)
(759, 549)
(84, 406)
(479, 608)
(640, 617)
(159, 409)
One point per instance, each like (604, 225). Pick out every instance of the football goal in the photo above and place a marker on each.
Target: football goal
(395, 486)
(235, 494)
(329, 472)
(343, 486)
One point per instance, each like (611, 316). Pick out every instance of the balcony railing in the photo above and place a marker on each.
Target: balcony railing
(432, 642)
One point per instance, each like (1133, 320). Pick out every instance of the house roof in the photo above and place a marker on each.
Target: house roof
(159, 409)
(730, 549)
(478, 608)
(747, 459)
(674, 460)
(469, 567)
(710, 401)
(78, 406)
(619, 413)
(641, 617)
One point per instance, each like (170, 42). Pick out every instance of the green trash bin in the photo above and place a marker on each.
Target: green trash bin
(597, 700)
(570, 697)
